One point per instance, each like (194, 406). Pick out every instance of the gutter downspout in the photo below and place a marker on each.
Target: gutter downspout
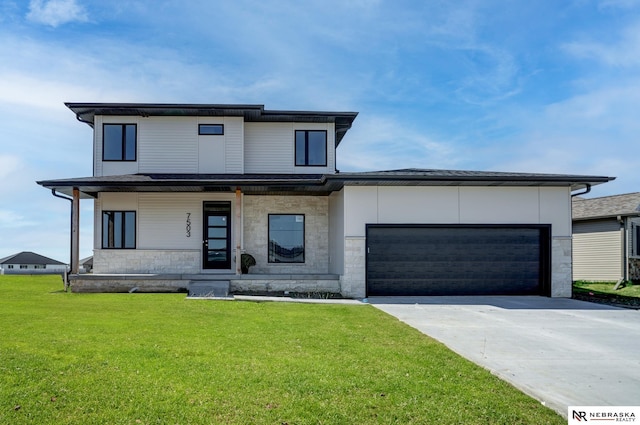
(66, 276)
(587, 189)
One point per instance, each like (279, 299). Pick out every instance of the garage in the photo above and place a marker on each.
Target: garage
(414, 260)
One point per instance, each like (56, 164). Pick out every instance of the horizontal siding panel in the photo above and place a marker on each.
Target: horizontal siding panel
(268, 148)
(162, 221)
(597, 256)
(168, 145)
(234, 145)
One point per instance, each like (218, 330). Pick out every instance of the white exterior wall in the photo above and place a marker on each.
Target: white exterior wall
(32, 268)
(457, 205)
(270, 148)
(597, 250)
(162, 242)
(172, 145)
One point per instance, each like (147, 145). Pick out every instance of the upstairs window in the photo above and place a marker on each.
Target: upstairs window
(119, 229)
(211, 129)
(119, 142)
(311, 148)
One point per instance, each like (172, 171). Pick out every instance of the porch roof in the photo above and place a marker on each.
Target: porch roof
(311, 184)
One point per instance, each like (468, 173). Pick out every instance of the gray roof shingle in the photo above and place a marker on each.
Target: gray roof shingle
(27, 257)
(606, 206)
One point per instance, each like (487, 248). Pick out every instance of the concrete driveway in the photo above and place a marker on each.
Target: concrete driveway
(560, 351)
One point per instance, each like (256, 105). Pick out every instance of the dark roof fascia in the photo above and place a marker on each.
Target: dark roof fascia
(86, 112)
(267, 184)
(308, 183)
(606, 217)
(459, 178)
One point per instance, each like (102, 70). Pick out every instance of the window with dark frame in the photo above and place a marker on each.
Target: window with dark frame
(286, 238)
(119, 142)
(211, 129)
(118, 229)
(311, 148)
(637, 241)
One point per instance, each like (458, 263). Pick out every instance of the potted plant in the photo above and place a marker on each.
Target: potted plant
(246, 261)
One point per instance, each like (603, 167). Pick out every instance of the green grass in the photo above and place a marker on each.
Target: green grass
(160, 359)
(602, 292)
(628, 290)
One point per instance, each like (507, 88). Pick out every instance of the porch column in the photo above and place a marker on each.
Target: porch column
(75, 231)
(238, 229)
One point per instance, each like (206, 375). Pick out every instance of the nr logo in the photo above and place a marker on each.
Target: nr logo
(579, 416)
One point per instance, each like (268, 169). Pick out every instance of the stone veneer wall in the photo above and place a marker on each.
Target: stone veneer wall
(561, 264)
(146, 261)
(353, 281)
(634, 269)
(256, 210)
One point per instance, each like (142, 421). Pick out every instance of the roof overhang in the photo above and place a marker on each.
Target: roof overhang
(416, 177)
(86, 112)
(308, 184)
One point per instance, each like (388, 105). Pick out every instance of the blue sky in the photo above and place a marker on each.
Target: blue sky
(536, 86)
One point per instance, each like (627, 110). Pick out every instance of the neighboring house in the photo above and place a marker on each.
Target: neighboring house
(181, 190)
(30, 263)
(606, 238)
(86, 265)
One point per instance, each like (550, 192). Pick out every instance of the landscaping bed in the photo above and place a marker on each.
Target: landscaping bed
(628, 296)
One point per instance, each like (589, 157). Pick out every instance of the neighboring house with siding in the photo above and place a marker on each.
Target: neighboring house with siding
(606, 238)
(180, 191)
(30, 263)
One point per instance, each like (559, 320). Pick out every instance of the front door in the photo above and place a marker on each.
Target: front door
(216, 246)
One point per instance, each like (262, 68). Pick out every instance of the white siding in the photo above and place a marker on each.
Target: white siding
(161, 219)
(168, 145)
(597, 250)
(211, 148)
(234, 145)
(270, 148)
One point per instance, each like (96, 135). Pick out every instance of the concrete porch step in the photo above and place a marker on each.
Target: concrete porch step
(209, 288)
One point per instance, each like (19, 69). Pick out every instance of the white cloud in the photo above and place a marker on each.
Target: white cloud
(383, 143)
(56, 12)
(623, 52)
(11, 219)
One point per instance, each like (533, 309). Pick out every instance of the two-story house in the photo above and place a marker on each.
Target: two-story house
(181, 190)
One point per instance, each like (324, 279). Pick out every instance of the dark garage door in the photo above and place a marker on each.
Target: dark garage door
(458, 260)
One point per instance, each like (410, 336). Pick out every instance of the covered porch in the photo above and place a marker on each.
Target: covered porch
(173, 244)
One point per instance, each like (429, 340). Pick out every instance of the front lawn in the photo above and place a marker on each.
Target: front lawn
(159, 358)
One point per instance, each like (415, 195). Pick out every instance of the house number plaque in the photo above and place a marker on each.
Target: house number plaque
(188, 225)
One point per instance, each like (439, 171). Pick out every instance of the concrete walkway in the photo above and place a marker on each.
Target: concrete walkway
(560, 351)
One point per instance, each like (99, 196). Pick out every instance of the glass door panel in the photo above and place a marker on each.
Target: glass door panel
(217, 230)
